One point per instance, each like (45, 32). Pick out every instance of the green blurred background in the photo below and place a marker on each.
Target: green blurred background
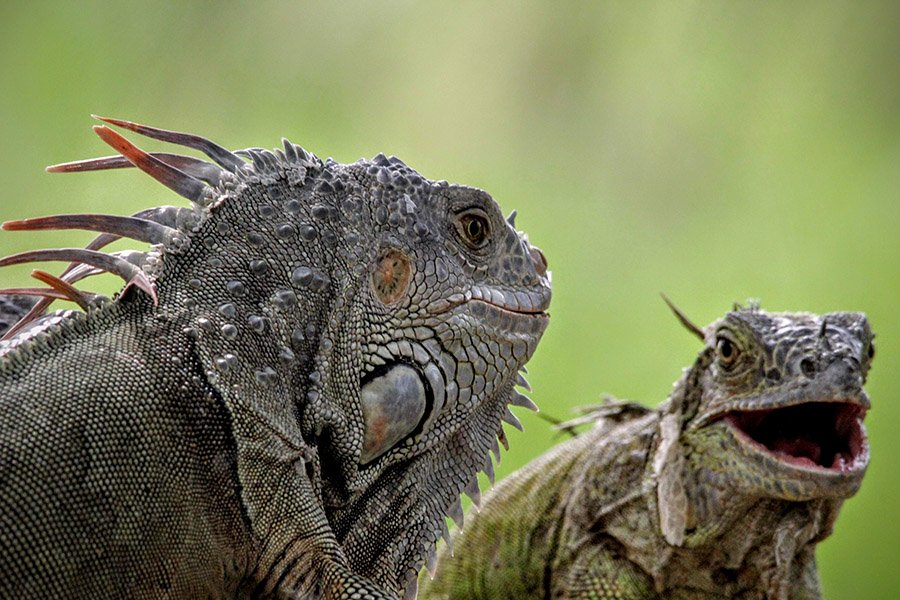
(713, 151)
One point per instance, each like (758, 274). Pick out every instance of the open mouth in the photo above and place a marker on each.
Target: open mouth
(813, 435)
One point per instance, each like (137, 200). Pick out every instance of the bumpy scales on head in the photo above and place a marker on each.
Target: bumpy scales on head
(723, 492)
(297, 382)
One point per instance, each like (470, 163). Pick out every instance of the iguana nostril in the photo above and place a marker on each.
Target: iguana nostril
(808, 367)
(539, 260)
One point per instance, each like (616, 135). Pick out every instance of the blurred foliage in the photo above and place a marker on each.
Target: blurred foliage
(713, 151)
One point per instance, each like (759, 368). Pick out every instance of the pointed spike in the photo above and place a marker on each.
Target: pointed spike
(43, 292)
(412, 590)
(290, 151)
(524, 401)
(682, 318)
(522, 382)
(82, 299)
(208, 172)
(471, 490)
(523, 369)
(178, 181)
(510, 418)
(489, 469)
(36, 311)
(141, 230)
(431, 562)
(220, 155)
(114, 264)
(445, 533)
(511, 219)
(501, 436)
(455, 512)
(495, 448)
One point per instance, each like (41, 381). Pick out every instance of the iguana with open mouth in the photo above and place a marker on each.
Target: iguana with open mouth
(292, 390)
(723, 492)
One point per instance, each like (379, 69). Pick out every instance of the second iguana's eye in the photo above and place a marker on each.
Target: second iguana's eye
(726, 351)
(473, 228)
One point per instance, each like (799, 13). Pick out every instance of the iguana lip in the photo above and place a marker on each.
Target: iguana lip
(823, 436)
(519, 303)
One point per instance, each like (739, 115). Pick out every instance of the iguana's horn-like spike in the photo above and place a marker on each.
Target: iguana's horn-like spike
(524, 401)
(431, 562)
(523, 369)
(176, 180)
(510, 418)
(36, 311)
(522, 382)
(501, 436)
(495, 448)
(44, 292)
(455, 512)
(471, 490)
(222, 156)
(488, 469)
(511, 219)
(290, 151)
(684, 320)
(113, 264)
(208, 172)
(80, 298)
(141, 230)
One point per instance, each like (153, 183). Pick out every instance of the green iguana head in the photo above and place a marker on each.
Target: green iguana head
(371, 319)
(772, 409)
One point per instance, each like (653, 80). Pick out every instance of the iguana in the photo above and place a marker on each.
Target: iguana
(722, 492)
(292, 390)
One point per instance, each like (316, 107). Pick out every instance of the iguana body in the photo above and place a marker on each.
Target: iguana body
(291, 392)
(722, 492)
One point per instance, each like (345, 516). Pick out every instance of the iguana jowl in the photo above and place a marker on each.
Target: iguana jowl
(723, 492)
(291, 392)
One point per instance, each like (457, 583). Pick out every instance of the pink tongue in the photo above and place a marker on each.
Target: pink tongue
(798, 448)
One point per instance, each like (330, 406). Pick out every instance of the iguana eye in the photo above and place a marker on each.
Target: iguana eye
(473, 228)
(726, 352)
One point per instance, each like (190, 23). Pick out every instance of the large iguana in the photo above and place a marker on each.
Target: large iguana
(288, 396)
(723, 492)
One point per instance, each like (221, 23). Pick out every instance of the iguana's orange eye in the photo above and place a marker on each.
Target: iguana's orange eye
(474, 229)
(726, 352)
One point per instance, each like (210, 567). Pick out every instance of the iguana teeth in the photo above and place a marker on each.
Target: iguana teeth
(510, 418)
(523, 401)
(522, 382)
(471, 490)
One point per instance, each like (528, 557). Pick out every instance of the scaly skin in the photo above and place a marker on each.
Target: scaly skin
(287, 398)
(682, 502)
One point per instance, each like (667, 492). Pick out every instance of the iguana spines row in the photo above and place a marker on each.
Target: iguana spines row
(724, 491)
(323, 353)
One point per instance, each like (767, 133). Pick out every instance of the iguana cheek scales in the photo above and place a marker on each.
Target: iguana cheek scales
(393, 405)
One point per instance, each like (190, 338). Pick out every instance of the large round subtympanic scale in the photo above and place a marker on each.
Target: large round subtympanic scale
(393, 405)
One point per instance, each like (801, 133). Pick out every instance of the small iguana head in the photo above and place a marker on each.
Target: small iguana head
(372, 321)
(775, 403)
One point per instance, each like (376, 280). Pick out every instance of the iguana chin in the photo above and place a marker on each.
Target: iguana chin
(723, 492)
(291, 392)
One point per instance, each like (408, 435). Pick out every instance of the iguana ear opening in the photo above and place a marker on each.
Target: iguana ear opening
(393, 405)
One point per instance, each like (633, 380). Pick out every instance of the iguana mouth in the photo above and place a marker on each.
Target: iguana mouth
(812, 435)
